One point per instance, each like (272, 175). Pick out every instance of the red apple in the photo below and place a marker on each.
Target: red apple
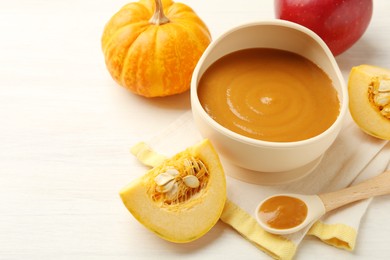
(340, 23)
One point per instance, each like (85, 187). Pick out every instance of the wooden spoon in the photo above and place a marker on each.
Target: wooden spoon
(317, 205)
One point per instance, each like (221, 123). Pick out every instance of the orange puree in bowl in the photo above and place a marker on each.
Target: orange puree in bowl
(269, 94)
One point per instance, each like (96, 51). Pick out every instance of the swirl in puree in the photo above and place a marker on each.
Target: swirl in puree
(269, 94)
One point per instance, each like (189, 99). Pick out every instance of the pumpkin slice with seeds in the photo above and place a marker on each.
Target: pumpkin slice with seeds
(369, 99)
(182, 198)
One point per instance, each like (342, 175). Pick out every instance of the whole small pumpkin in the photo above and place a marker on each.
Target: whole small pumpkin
(151, 47)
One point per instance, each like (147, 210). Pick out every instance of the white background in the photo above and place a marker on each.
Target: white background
(66, 128)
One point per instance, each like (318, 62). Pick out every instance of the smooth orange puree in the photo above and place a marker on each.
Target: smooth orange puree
(269, 94)
(282, 212)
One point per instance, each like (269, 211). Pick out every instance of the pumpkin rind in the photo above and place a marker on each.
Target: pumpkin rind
(364, 113)
(149, 59)
(188, 220)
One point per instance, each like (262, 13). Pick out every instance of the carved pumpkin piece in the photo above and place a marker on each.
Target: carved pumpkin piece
(181, 199)
(369, 99)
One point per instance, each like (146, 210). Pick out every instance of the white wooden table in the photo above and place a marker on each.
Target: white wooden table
(66, 129)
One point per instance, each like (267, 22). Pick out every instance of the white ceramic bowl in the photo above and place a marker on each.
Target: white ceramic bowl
(253, 154)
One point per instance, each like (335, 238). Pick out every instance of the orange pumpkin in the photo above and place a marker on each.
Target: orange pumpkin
(151, 47)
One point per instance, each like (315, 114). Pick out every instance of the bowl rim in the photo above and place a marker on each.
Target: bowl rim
(195, 103)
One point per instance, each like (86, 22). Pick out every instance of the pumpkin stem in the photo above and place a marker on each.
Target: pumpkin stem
(159, 17)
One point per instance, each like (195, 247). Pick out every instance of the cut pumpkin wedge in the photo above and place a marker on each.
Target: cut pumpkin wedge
(181, 199)
(369, 99)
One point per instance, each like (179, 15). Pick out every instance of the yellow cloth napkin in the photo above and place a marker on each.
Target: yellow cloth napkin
(353, 157)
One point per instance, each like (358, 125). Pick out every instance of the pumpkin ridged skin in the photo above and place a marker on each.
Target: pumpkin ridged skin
(188, 220)
(150, 59)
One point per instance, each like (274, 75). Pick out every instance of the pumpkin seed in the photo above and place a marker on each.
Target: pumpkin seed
(382, 98)
(384, 85)
(173, 192)
(189, 166)
(166, 187)
(379, 95)
(163, 178)
(191, 181)
(202, 170)
(386, 111)
(172, 171)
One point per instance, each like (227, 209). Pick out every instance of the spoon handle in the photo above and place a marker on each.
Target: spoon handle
(376, 186)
